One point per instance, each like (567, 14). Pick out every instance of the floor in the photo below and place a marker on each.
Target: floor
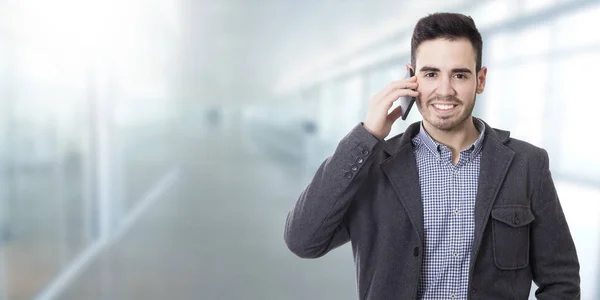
(217, 233)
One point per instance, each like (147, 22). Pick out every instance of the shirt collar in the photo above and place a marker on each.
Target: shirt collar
(423, 138)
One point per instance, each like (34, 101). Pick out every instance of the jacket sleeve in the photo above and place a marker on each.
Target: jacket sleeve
(315, 225)
(554, 259)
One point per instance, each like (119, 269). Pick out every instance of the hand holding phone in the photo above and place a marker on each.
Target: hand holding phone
(379, 120)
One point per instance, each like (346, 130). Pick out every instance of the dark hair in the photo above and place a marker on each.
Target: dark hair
(451, 26)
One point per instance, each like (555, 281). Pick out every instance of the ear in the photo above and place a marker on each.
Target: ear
(481, 76)
(410, 67)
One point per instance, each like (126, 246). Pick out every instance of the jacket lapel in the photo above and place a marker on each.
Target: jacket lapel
(401, 170)
(495, 160)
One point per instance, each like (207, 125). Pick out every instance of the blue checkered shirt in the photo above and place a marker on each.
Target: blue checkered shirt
(448, 193)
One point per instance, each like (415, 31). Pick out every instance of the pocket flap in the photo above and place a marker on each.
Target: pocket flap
(513, 216)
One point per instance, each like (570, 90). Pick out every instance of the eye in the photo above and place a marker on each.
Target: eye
(431, 74)
(461, 76)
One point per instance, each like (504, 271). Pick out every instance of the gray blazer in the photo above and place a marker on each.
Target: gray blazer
(368, 193)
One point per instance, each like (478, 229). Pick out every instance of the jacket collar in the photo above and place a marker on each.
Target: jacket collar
(394, 144)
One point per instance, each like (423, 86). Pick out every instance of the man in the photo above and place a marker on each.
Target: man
(450, 209)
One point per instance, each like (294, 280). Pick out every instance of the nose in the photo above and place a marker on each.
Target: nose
(445, 87)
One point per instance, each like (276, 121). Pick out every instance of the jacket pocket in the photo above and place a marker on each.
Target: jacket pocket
(510, 234)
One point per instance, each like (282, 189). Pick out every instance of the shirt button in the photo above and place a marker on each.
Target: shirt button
(452, 295)
(455, 254)
(456, 211)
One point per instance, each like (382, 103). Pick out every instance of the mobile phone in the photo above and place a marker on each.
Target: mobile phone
(407, 102)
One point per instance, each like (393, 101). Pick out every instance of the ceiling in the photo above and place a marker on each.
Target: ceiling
(237, 51)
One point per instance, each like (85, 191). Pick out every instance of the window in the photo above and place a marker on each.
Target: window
(574, 93)
(516, 99)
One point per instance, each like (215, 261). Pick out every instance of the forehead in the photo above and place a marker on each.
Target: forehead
(446, 54)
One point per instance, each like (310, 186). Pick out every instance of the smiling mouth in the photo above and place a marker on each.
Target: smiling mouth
(444, 107)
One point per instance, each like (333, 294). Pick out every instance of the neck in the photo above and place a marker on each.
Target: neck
(457, 139)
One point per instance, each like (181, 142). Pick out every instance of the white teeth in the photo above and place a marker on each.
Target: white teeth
(443, 107)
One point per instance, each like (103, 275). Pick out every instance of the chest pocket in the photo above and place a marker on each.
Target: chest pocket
(510, 230)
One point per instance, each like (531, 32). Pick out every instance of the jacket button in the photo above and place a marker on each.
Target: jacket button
(416, 251)
(359, 160)
(354, 168)
(365, 152)
(517, 221)
(348, 175)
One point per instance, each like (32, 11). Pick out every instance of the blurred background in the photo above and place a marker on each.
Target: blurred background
(152, 149)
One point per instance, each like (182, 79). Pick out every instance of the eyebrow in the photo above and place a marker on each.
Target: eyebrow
(455, 70)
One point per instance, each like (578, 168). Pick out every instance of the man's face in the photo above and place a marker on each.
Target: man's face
(448, 82)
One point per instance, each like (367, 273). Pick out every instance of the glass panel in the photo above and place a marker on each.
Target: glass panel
(530, 42)
(489, 13)
(85, 115)
(534, 6)
(577, 152)
(578, 29)
(352, 102)
(49, 222)
(326, 122)
(515, 98)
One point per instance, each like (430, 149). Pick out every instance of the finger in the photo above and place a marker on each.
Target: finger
(400, 82)
(388, 100)
(409, 83)
(400, 85)
(403, 81)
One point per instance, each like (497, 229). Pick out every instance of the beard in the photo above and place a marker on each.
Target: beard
(447, 123)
